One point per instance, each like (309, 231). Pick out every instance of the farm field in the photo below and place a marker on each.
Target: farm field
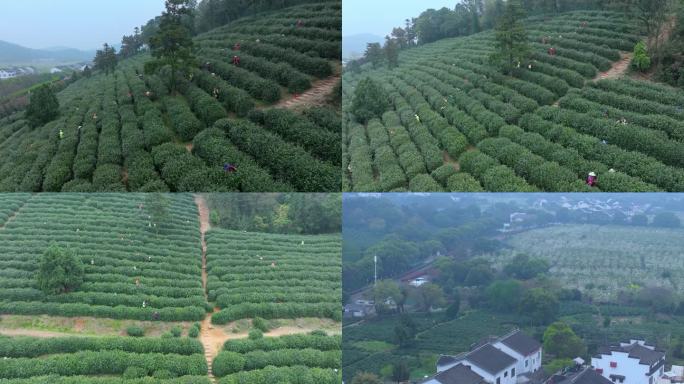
(602, 260)
(147, 310)
(273, 276)
(126, 132)
(455, 123)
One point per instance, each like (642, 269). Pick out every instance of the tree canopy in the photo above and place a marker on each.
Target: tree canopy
(370, 100)
(59, 271)
(43, 106)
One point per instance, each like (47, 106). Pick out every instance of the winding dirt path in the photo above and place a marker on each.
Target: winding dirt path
(315, 96)
(35, 333)
(13, 216)
(212, 339)
(618, 69)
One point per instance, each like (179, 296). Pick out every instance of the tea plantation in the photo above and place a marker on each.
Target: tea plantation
(273, 276)
(314, 358)
(144, 268)
(455, 123)
(127, 132)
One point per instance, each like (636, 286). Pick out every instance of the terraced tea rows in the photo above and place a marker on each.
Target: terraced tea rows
(619, 258)
(126, 132)
(134, 268)
(314, 358)
(458, 124)
(77, 360)
(273, 276)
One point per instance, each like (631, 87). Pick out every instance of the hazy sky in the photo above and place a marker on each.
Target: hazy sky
(83, 24)
(380, 16)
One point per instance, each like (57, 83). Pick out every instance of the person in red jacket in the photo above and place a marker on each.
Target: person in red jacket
(552, 51)
(236, 60)
(592, 179)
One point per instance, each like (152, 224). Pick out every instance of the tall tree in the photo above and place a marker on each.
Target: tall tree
(59, 271)
(172, 44)
(399, 34)
(105, 59)
(654, 16)
(43, 106)
(374, 54)
(430, 295)
(561, 342)
(391, 50)
(512, 48)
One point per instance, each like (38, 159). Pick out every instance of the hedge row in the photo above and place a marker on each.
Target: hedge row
(491, 174)
(321, 343)
(34, 347)
(570, 158)
(283, 73)
(297, 374)
(360, 160)
(312, 65)
(650, 142)
(635, 104)
(325, 117)
(303, 296)
(277, 311)
(102, 363)
(118, 312)
(294, 128)
(558, 62)
(227, 363)
(673, 127)
(184, 172)
(256, 86)
(213, 146)
(181, 117)
(154, 129)
(548, 176)
(633, 163)
(157, 379)
(207, 108)
(234, 99)
(286, 161)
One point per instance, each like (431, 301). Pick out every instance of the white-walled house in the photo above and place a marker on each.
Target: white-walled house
(633, 362)
(502, 360)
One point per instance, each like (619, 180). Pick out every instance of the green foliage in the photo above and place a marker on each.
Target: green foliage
(641, 61)
(561, 342)
(59, 271)
(370, 100)
(172, 44)
(176, 331)
(135, 331)
(512, 48)
(540, 305)
(43, 106)
(106, 59)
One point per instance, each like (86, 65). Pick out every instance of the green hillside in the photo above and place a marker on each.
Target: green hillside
(125, 132)
(456, 123)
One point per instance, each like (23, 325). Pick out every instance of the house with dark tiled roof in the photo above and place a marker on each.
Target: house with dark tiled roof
(511, 359)
(578, 375)
(630, 362)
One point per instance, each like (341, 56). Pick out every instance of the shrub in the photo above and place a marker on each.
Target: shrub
(59, 271)
(227, 362)
(194, 331)
(135, 331)
(641, 61)
(176, 331)
(260, 324)
(370, 100)
(255, 334)
(185, 124)
(134, 373)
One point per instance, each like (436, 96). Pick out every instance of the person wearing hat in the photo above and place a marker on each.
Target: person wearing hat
(591, 179)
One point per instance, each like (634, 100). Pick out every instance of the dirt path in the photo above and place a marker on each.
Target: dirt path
(313, 97)
(13, 216)
(619, 68)
(212, 338)
(203, 210)
(34, 333)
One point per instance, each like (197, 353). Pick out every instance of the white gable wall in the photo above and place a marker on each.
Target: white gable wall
(533, 360)
(504, 376)
(630, 368)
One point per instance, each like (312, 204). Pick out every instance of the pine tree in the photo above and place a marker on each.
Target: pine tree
(43, 106)
(374, 54)
(391, 50)
(511, 44)
(172, 44)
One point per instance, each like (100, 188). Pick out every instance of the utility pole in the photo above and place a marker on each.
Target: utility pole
(375, 274)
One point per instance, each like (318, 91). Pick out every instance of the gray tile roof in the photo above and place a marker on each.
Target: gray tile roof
(587, 376)
(521, 343)
(645, 355)
(490, 359)
(459, 374)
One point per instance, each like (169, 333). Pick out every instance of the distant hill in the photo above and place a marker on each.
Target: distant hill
(355, 45)
(14, 54)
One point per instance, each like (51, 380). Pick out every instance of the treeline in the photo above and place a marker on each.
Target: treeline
(466, 18)
(290, 213)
